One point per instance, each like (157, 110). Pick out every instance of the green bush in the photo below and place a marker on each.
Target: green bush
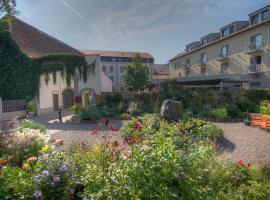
(31, 108)
(219, 113)
(29, 124)
(264, 107)
(76, 109)
(92, 113)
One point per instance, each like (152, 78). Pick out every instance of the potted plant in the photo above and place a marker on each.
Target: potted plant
(76, 109)
(31, 110)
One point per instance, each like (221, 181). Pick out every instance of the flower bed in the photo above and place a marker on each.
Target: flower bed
(155, 160)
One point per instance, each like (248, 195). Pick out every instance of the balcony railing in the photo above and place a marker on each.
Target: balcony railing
(255, 68)
(223, 57)
(253, 49)
(202, 62)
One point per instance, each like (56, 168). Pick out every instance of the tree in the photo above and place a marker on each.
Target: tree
(8, 9)
(135, 74)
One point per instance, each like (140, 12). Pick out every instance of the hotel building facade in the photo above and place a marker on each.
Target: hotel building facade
(235, 57)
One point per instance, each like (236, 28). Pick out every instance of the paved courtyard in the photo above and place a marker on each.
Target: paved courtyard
(250, 144)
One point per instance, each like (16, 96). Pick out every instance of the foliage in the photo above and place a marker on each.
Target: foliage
(20, 75)
(29, 124)
(8, 8)
(219, 113)
(91, 113)
(76, 109)
(264, 109)
(135, 74)
(113, 104)
(21, 145)
(31, 108)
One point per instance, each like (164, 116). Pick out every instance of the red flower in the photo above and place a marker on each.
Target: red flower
(95, 131)
(138, 126)
(113, 129)
(241, 162)
(248, 165)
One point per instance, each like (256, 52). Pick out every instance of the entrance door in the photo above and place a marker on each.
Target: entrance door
(55, 102)
(68, 98)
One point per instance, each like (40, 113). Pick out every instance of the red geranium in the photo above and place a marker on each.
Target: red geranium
(241, 162)
(248, 165)
(113, 129)
(138, 126)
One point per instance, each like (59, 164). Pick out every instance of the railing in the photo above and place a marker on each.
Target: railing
(223, 55)
(13, 105)
(253, 47)
(202, 61)
(255, 68)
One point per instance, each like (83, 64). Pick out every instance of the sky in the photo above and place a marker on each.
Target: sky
(160, 27)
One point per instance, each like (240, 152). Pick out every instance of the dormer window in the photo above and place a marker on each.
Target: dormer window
(259, 17)
(204, 41)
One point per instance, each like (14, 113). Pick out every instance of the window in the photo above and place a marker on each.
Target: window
(256, 41)
(122, 69)
(111, 69)
(226, 32)
(203, 70)
(187, 72)
(254, 19)
(255, 63)
(119, 59)
(111, 77)
(224, 68)
(175, 67)
(203, 57)
(224, 50)
(204, 41)
(265, 14)
(179, 74)
(104, 68)
(114, 60)
(189, 48)
(188, 61)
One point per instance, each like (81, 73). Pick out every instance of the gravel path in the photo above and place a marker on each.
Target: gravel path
(251, 144)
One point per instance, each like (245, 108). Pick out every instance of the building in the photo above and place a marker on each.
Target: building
(160, 71)
(236, 57)
(54, 92)
(112, 64)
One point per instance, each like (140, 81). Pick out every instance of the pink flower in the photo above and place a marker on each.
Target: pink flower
(138, 126)
(95, 131)
(248, 165)
(113, 129)
(241, 162)
(32, 159)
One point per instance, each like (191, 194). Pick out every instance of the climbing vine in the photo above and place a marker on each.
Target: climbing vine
(19, 74)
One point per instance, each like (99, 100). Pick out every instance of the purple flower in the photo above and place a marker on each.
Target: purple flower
(56, 179)
(36, 178)
(63, 168)
(37, 194)
(53, 153)
(45, 174)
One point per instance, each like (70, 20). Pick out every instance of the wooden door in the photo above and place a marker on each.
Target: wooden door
(55, 102)
(68, 98)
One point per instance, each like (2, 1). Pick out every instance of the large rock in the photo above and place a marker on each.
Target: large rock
(171, 109)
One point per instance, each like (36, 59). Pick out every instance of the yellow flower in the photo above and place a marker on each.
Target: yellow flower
(45, 148)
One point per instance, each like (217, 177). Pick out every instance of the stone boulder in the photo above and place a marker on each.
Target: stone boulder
(171, 109)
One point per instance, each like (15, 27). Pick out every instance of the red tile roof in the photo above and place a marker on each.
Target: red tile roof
(35, 43)
(116, 53)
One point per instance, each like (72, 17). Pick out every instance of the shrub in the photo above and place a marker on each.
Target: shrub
(218, 113)
(264, 109)
(76, 109)
(21, 145)
(92, 113)
(29, 124)
(31, 108)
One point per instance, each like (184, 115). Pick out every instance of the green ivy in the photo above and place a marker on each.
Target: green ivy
(19, 75)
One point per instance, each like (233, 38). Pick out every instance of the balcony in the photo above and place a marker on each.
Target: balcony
(187, 65)
(254, 50)
(202, 62)
(223, 57)
(255, 68)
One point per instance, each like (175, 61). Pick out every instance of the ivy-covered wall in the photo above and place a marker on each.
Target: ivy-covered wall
(19, 75)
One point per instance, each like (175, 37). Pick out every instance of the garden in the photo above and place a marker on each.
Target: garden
(148, 158)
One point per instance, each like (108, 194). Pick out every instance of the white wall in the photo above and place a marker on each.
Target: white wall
(98, 81)
(46, 91)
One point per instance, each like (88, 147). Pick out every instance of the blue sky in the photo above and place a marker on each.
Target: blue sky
(160, 27)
